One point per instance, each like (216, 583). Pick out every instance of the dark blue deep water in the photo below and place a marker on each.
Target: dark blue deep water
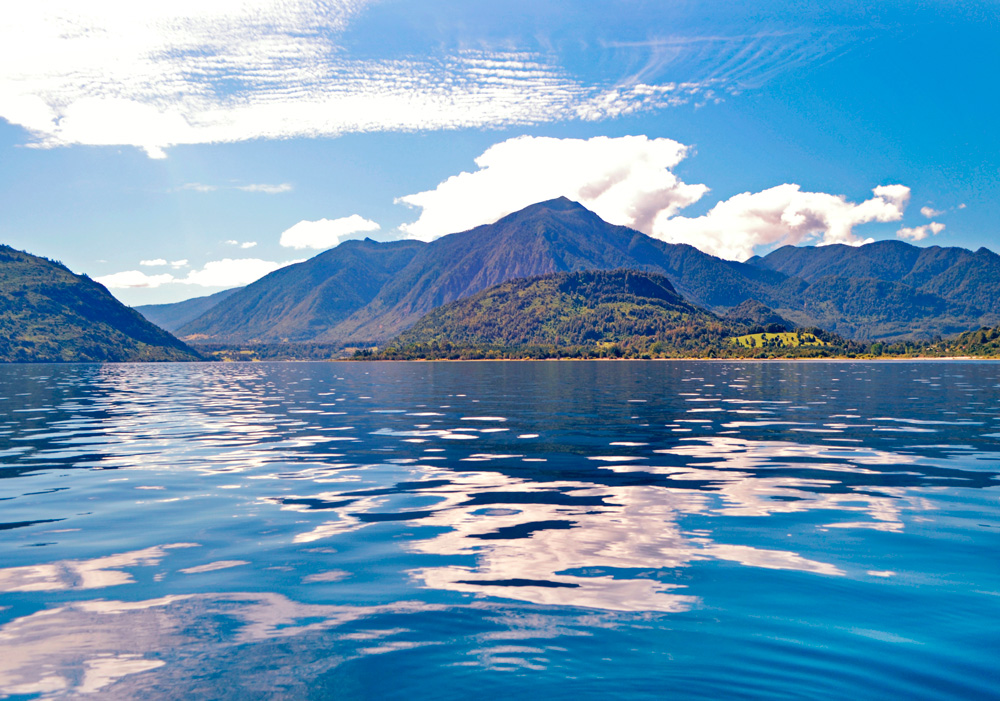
(554, 530)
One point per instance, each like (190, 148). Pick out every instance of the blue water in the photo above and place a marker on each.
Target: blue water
(553, 530)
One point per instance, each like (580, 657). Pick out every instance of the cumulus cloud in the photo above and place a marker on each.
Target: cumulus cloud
(919, 233)
(326, 233)
(155, 262)
(625, 180)
(196, 71)
(241, 244)
(781, 215)
(930, 212)
(228, 272)
(629, 181)
(175, 264)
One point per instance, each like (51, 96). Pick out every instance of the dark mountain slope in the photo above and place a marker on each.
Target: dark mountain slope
(882, 260)
(301, 302)
(173, 316)
(869, 309)
(49, 314)
(631, 309)
(973, 280)
(554, 236)
(890, 289)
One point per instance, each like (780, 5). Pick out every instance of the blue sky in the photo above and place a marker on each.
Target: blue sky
(171, 152)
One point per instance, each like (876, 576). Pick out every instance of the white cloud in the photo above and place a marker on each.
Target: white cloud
(254, 187)
(175, 264)
(781, 215)
(326, 233)
(625, 180)
(230, 272)
(266, 189)
(194, 71)
(919, 233)
(629, 181)
(930, 212)
(218, 273)
(248, 244)
(156, 262)
(962, 206)
(133, 278)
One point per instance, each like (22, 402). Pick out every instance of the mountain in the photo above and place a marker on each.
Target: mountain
(620, 312)
(173, 316)
(301, 302)
(889, 289)
(49, 314)
(365, 293)
(554, 236)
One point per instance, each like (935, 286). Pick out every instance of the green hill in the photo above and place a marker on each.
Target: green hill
(49, 314)
(983, 342)
(620, 313)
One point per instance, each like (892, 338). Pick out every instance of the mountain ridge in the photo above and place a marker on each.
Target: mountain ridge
(884, 290)
(50, 314)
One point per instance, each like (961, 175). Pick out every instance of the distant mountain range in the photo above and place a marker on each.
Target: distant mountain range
(173, 316)
(49, 314)
(366, 293)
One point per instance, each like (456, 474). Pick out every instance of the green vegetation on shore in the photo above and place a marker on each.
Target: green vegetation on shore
(783, 339)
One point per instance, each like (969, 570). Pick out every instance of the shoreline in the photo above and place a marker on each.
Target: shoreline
(629, 360)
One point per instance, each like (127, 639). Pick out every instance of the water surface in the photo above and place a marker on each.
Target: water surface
(518, 530)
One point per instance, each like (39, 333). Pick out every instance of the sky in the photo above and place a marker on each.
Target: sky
(170, 152)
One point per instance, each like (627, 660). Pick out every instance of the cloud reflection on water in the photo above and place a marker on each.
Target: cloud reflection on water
(599, 513)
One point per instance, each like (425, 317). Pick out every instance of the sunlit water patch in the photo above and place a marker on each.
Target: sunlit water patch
(525, 530)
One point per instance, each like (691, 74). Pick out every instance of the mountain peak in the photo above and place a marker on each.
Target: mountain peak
(559, 204)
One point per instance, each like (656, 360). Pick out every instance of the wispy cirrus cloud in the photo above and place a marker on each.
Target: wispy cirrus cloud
(733, 62)
(264, 188)
(190, 72)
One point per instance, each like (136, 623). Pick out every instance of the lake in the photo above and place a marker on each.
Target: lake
(515, 530)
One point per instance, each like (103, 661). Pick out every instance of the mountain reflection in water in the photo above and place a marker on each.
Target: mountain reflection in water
(381, 530)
